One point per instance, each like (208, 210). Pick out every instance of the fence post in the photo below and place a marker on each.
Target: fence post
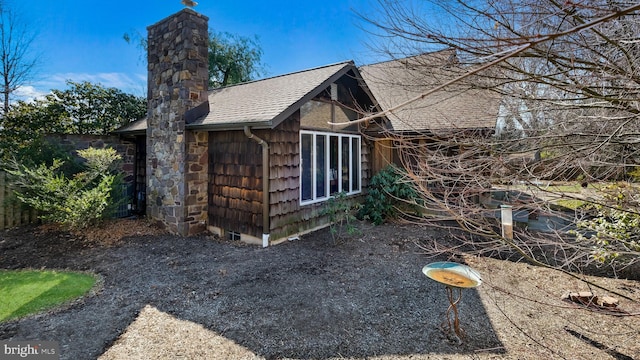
(506, 215)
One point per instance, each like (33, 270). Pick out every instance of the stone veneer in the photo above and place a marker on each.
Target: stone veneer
(176, 158)
(126, 149)
(197, 181)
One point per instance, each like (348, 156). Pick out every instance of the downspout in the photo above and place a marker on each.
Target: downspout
(265, 184)
(334, 99)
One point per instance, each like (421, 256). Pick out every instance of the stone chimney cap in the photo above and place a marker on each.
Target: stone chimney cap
(185, 10)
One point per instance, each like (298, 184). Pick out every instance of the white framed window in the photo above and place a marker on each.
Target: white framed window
(329, 164)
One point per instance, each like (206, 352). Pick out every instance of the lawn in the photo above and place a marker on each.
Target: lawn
(570, 195)
(25, 292)
(571, 204)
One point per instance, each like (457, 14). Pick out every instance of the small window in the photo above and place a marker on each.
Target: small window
(233, 235)
(329, 163)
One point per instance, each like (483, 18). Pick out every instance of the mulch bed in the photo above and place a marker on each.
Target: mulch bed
(365, 297)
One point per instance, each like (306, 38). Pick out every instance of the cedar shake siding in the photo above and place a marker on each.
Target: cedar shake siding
(235, 184)
(284, 178)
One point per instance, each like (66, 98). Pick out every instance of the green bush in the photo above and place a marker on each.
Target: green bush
(614, 232)
(340, 212)
(634, 174)
(389, 193)
(76, 201)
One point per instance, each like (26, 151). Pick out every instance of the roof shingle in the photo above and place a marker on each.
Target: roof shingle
(457, 106)
(261, 103)
(266, 101)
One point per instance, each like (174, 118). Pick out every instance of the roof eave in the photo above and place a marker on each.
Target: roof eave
(125, 132)
(442, 130)
(131, 133)
(231, 126)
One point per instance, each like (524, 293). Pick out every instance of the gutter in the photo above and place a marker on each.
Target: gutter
(230, 126)
(265, 184)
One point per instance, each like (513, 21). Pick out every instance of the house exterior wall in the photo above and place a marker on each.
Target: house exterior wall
(235, 188)
(284, 178)
(196, 181)
(383, 150)
(177, 82)
(316, 115)
(140, 176)
(286, 214)
(235, 185)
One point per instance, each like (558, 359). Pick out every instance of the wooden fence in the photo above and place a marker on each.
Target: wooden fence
(12, 212)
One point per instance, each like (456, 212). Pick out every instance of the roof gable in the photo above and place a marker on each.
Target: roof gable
(266, 103)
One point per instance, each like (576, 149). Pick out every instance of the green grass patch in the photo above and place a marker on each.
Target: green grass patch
(572, 204)
(25, 292)
(569, 188)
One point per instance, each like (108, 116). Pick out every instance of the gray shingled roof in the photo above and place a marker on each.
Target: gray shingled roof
(139, 126)
(456, 107)
(261, 103)
(265, 103)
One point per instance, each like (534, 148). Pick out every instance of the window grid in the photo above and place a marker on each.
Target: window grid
(334, 180)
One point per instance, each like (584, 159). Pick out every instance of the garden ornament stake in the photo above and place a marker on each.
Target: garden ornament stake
(453, 276)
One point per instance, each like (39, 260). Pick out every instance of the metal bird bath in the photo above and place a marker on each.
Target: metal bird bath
(453, 276)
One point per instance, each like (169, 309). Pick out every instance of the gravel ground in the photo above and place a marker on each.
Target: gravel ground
(164, 297)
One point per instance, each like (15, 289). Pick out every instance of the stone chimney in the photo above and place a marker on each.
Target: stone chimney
(177, 82)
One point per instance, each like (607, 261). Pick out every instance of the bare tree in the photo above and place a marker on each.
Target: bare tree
(17, 60)
(568, 75)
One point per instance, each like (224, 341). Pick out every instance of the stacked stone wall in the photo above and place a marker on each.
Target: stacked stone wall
(177, 82)
(126, 166)
(126, 149)
(197, 181)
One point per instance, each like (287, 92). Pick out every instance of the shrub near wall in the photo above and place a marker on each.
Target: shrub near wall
(14, 213)
(75, 201)
(390, 194)
(126, 149)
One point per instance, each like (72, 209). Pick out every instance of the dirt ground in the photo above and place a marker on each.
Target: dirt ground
(165, 297)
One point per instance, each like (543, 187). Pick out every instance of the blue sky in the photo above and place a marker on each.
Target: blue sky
(83, 40)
